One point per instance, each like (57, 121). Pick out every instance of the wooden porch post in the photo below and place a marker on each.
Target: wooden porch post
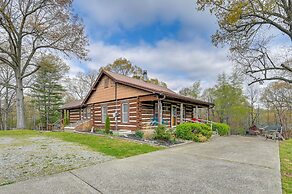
(159, 112)
(138, 115)
(62, 119)
(181, 112)
(208, 113)
(197, 115)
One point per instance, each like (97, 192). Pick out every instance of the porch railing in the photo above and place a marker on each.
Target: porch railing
(195, 120)
(154, 121)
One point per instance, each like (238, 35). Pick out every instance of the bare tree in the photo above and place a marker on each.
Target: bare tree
(29, 28)
(263, 63)
(79, 86)
(253, 97)
(248, 27)
(278, 96)
(125, 67)
(7, 97)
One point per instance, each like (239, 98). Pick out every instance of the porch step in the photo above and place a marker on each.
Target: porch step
(72, 126)
(68, 128)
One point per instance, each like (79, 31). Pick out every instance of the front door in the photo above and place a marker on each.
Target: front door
(173, 116)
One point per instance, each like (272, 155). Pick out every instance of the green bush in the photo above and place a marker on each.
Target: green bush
(193, 131)
(161, 133)
(107, 125)
(221, 128)
(139, 134)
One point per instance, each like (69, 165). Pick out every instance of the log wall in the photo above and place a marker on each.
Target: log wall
(74, 115)
(112, 106)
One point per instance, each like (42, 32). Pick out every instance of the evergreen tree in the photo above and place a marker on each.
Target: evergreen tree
(47, 91)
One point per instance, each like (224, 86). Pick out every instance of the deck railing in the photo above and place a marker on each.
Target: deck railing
(200, 121)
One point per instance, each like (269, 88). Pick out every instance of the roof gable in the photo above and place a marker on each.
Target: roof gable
(141, 85)
(128, 81)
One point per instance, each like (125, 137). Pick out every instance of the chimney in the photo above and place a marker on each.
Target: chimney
(145, 77)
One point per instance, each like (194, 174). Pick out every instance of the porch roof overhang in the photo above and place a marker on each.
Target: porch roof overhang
(72, 105)
(176, 98)
(187, 100)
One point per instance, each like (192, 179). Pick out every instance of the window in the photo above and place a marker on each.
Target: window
(156, 111)
(103, 113)
(106, 82)
(125, 112)
(173, 116)
(87, 112)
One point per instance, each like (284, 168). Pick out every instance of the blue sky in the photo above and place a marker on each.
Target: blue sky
(169, 38)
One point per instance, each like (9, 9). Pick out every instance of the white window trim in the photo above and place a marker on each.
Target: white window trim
(123, 121)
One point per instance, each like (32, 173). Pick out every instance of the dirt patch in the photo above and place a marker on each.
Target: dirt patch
(22, 158)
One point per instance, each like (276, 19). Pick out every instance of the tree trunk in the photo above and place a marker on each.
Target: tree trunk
(5, 108)
(19, 103)
(1, 116)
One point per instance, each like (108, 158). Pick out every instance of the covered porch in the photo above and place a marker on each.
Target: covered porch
(171, 110)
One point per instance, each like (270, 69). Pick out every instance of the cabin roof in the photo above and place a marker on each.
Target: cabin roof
(72, 104)
(152, 88)
(136, 83)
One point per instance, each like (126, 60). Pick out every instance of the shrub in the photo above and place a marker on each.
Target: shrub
(161, 133)
(237, 131)
(148, 135)
(139, 134)
(221, 128)
(193, 131)
(107, 125)
(287, 134)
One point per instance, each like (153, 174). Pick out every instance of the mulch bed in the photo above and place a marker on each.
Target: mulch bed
(132, 137)
(154, 142)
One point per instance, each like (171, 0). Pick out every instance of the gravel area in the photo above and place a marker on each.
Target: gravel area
(25, 157)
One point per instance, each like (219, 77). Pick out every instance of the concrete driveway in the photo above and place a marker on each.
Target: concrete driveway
(223, 165)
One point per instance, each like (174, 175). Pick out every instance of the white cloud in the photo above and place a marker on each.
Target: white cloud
(74, 67)
(176, 63)
(112, 15)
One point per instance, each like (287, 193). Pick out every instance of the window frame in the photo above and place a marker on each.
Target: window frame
(104, 110)
(123, 113)
(155, 112)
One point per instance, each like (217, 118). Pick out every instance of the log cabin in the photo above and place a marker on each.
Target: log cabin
(133, 104)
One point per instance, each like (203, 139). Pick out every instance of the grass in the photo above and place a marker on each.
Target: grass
(286, 165)
(18, 133)
(106, 145)
(109, 146)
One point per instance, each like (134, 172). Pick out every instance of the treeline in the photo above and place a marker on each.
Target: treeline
(50, 87)
(237, 104)
(241, 105)
(43, 94)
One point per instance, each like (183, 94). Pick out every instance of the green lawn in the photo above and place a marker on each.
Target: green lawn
(110, 146)
(286, 165)
(18, 133)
